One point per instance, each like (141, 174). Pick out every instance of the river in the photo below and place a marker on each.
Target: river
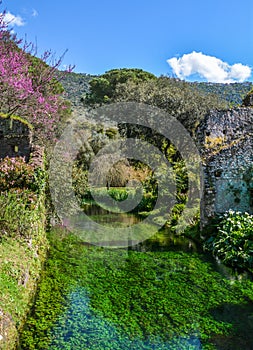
(163, 293)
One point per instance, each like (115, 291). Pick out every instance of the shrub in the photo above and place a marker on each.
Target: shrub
(233, 243)
(119, 194)
(18, 213)
(15, 173)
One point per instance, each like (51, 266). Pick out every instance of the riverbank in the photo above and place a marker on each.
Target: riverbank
(23, 242)
(21, 262)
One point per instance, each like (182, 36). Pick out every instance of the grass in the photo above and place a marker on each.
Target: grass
(23, 246)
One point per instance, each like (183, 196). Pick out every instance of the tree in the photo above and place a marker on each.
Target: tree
(28, 86)
(103, 88)
(180, 99)
(248, 99)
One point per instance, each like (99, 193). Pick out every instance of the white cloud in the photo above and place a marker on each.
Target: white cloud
(208, 67)
(13, 20)
(35, 13)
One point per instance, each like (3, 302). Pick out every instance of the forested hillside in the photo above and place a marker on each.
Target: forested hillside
(232, 93)
(76, 86)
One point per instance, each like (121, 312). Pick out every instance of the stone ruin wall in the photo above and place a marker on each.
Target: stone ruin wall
(15, 138)
(226, 145)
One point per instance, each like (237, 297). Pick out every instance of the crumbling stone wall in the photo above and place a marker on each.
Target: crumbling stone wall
(226, 145)
(15, 137)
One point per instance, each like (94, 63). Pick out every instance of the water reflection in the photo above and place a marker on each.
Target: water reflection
(164, 240)
(103, 216)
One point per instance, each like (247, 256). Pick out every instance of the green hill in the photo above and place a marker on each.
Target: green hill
(232, 93)
(76, 85)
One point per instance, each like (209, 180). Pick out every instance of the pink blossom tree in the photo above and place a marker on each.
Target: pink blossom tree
(28, 85)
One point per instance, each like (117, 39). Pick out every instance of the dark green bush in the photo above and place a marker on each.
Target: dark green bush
(233, 243)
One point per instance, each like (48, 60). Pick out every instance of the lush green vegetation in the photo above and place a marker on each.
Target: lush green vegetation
(232, 93)
(233, 241)
(149, 189)
(146, 300)
(91, 297)
(77, 88)
(23, 243)
(180, 99)
(103, 88)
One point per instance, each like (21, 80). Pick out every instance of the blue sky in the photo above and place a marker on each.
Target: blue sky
(206, 40)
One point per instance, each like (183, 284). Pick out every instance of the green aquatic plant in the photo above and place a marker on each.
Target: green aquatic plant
(91, 298)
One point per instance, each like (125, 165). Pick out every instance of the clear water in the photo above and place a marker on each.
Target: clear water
(163, 293)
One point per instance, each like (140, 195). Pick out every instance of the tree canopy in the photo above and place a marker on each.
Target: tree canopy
(180, 99)
(103, 88)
